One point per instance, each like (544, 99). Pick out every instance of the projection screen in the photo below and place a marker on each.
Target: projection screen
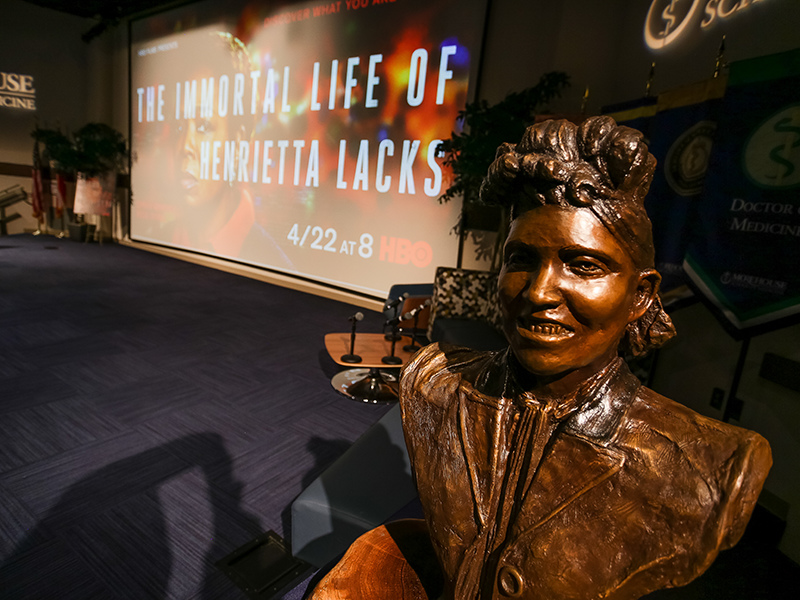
(302, 137)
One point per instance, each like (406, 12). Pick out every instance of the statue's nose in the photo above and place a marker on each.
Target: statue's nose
(544, 285)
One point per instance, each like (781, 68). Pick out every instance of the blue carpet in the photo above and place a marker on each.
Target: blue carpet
(154, 416)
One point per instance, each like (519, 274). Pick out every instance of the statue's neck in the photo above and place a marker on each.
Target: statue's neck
(552, 387)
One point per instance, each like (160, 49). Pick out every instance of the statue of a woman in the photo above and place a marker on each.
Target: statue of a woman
(547, 471)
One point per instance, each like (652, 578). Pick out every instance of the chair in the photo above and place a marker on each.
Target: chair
(409, 292)
(464, 309)
(367, 485)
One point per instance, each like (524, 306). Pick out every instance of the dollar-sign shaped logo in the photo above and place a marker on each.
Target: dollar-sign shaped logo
(776, 154)
(668, 15)
(668, 20)
(771, 159)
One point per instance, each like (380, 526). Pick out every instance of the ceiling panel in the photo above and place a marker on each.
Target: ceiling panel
(104, 9)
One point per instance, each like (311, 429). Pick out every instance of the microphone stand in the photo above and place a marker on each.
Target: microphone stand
(351, 357)
(391, 359)
(412, 347)
(396, 305)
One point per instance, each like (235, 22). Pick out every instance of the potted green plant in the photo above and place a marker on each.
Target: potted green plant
(58, 147)
(469, 153)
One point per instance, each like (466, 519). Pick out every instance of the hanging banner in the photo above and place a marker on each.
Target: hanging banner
(637, 114)
(745, 253)
(682, 133)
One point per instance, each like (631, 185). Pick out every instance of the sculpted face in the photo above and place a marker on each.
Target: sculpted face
(567, 290)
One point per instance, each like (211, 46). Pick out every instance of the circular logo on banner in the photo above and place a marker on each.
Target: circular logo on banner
(687, 160)
(771, 156)
(667, 20)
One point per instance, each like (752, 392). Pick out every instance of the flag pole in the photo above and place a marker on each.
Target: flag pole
(37, 193)
(720, 62)
(650, 78)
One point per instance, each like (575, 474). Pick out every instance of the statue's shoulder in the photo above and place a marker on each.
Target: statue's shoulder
(673, 421)
(731, 460)
(436, 371)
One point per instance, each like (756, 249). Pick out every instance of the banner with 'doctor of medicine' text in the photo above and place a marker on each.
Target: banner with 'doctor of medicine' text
(745, 251)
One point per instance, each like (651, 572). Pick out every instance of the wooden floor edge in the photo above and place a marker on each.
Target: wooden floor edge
(286, 281)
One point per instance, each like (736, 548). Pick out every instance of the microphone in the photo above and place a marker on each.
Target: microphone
(351, 357)
(393, 322)
(414, 314)
(396, 302)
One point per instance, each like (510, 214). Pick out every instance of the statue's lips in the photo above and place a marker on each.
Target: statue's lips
(544, 330)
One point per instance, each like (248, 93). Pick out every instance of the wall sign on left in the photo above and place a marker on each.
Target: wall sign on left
(17, 91)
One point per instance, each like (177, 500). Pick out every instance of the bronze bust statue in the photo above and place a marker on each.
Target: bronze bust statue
(547, 471)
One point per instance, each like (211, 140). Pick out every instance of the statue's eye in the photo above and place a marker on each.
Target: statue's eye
(519, 258)
(587, 267)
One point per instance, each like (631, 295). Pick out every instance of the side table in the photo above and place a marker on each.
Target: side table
(369, 381)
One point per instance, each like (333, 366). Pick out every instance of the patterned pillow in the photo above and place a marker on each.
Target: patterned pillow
(464, 294)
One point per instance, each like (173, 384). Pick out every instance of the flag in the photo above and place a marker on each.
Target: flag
(37, 188)
(682, 135)
(744, 255)
(637, 114)
(58, 189)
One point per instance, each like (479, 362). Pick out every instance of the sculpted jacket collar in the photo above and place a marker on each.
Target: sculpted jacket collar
(502, 481)
(595, 410)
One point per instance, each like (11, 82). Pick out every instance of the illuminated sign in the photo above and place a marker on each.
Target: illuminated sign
(17, 91)
(670, 20)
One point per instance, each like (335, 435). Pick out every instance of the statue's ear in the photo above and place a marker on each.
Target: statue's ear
(646, 292)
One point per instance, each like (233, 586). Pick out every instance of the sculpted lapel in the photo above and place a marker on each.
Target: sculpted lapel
(484, 423)
(558, 482)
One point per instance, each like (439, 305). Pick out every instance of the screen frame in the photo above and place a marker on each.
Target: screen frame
(472, 93)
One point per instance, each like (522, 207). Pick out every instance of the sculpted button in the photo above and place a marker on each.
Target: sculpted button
(509, 581)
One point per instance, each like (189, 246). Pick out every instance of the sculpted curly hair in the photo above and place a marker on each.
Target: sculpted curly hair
(596, 165)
